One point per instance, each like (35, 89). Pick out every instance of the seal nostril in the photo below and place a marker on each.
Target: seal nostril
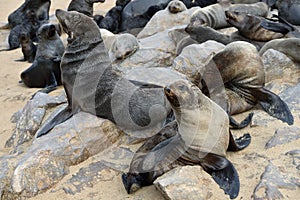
(167, 89)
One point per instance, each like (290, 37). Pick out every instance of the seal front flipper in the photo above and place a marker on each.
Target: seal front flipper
(59, 118)
(223, 172)
(275, 26)
(235, 125)
(273, 105)
(239, 143)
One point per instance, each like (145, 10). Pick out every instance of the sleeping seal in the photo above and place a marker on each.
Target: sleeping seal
(93, 85)
(83, 6)
(199, 136)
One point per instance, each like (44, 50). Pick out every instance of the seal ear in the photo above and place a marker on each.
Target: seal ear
(273, 105)
(223, 172)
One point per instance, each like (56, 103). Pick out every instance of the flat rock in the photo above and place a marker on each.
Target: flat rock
(188, 182)
(193, 58)
(48, 159)
(29, 119)
(284, 135)
(295, 154)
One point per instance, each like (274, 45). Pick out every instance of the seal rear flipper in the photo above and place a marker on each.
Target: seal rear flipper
(223, 172)
(235, 125)
(275, 26)
(273, 105)
(59, 118)
(239, 143)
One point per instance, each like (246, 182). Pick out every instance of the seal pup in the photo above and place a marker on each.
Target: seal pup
(83, 6)
(45, 70)
(199, 136)
(123, 46)
(288, 46)
(250, 27)
(112, 19)
(93, 85)
(28, 47)
(19, 15)
(244, 85)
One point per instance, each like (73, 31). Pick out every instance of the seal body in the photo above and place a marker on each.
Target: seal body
(199, 135)
(112, 20)
(28, 47)
(244, 85)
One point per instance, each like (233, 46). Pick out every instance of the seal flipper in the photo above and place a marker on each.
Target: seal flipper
(275, 26)
(223, 172)
(59, 118)
(239, 143)
(273, 105)
(235, 125)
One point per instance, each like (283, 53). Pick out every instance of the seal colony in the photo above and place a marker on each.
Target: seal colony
(182, 121)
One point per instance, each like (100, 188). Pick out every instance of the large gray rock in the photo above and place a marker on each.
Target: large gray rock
(29, 119)
(163, 20)
(48, 159)
(278, 66)
(193, 58)
(189, 182)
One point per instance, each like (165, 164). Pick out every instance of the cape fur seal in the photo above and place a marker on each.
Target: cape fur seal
(83, 6)
(289, 10)
(244, 85)
(93, 85)
(250, 27)
(28, 47)
(199, 136)
(176, 6)
(45, 70)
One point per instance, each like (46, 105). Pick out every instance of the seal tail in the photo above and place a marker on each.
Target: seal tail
(223, 172)
(62, 116)
(273, 105)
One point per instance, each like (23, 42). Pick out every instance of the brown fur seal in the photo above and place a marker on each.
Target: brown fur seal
(176, 6)
(83, 6)
(45, 70)
(250, 27)
(258, 9)
(242, 72)
(93, 85)
(288, 46)
(199, 136)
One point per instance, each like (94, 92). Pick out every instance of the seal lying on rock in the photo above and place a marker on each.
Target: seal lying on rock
(93, 85)
(242, 72)
(176, 6)
(45, 70)
(250, 27)
(199, 136)
(83, 6)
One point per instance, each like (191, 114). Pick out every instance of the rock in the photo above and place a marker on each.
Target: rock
(163, 20)
(194, 57)
(295, 154)
(188, 182)
(151, 52)
(48, 159)
(278, 66)
(284, 135)
(29, 119)
(292, 100)
(271, 181)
